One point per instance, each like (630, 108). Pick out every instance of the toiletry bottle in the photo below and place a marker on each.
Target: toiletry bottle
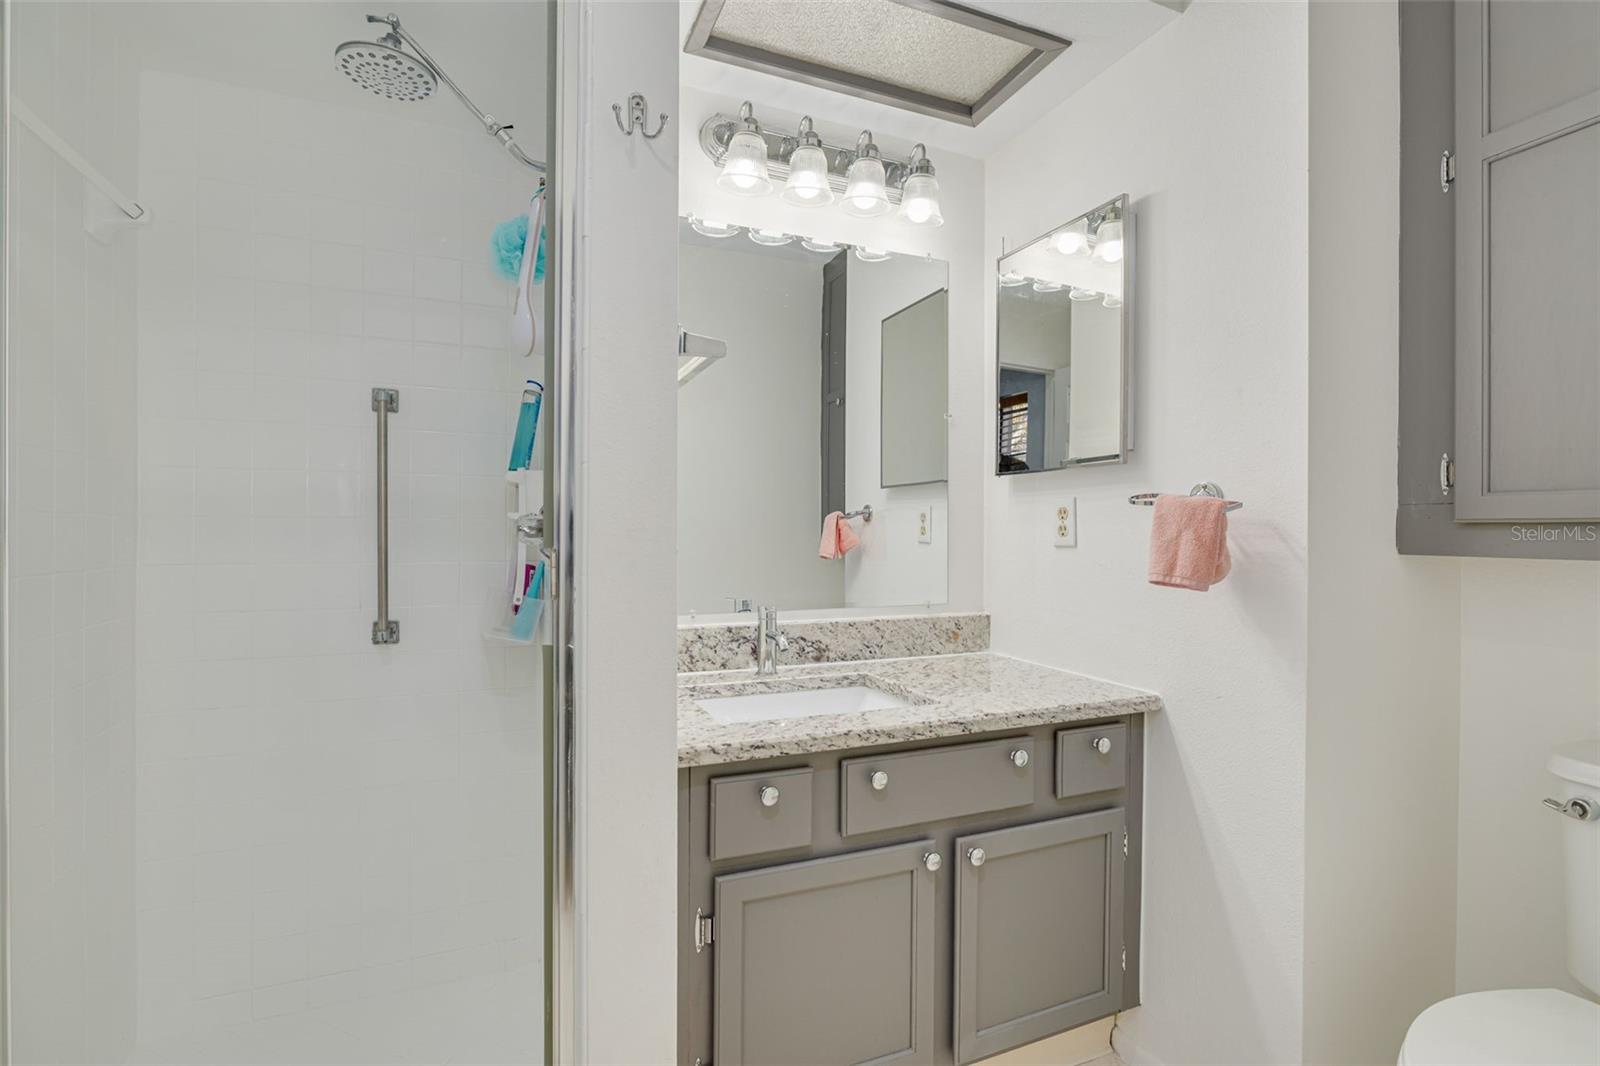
(527, 426)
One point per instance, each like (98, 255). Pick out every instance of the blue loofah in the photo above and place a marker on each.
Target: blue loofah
(507, 244)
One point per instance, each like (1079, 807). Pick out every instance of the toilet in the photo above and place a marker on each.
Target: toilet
(1536, 1026)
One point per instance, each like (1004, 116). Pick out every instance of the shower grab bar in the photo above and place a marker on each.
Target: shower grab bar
(385, 402)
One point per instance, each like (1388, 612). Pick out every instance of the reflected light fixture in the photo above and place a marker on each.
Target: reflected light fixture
(864, 192)
(817, 244)
(870, 255)
(919, 197)
(1011, 279)
(808, 170)
(1074, 240)
(1111, 301)
(707, 227)
(1041, 285)
(1082, 295)
(773, 238)
(744, 167)
(1108, 238)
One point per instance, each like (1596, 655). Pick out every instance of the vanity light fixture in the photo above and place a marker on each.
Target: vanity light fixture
(1074, 240)
(1108, 238)
(1082, 295)
(1011, 279)
(870, 255)
(744, 167)
(919, 197)
(773, 238)
(865, 194)
(816, 244)
(1041, 285)
(808, 170)
(710, 228)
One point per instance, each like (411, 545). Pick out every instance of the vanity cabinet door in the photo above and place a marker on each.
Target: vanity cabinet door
(1038, 930)
(827, 961)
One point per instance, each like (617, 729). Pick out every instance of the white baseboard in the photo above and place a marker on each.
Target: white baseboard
(1129, 1051)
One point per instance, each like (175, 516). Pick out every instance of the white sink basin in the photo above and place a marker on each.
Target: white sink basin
(775, 706)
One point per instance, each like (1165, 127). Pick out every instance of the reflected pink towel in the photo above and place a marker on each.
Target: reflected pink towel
(837, 537)
(1189, 542)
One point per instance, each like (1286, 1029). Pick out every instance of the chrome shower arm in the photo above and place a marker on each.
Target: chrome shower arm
(491, 126)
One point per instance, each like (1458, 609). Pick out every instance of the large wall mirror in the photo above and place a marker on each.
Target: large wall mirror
(817, 382)
(1062, 382)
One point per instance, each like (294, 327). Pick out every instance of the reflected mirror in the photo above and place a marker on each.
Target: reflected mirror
(812, 380)
(1061, 387)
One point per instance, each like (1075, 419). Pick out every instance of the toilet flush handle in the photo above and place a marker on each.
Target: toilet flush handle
(1584, 810)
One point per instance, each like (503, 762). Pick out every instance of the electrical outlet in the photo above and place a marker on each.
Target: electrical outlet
(925, 525)
(1066, 524)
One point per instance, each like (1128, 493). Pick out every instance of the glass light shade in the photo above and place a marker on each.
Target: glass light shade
(919, 201)
(1083, 294)
(771, 237)
(1108, 241)
(1011, 279)
(1041, 285)
(817, 244)
(808, 178)
(870, 255)
(744, 168)
(1072, 241)
(864, 194)
(707, 227)
(1111, 301)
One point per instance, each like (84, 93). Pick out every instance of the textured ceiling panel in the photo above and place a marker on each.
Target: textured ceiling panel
(876, 39)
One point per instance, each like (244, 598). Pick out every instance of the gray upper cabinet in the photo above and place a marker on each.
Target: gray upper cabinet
(827, 961)
(1038, 944)
(1527, 300)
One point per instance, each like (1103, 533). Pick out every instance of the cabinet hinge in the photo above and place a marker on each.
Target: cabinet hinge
(1124, 958)
(1124, 843)
(702, 930)
(1447, 170)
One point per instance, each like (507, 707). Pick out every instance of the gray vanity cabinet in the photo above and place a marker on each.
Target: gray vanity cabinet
(1038, 930)
(827, 962)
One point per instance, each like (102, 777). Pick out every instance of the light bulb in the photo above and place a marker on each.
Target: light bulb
(808, 178)
(1108, 241)
(864, 194)
(919, 201)
(744, 167)
(1073, 240)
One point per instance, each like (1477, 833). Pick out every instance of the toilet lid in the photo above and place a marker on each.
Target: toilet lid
(1527, 1026)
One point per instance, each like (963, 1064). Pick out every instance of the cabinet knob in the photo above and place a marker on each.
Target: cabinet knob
(880, 780)
(976, 856)
(1019, 757)
(769, 795)
(932, 861)
(1101, 744)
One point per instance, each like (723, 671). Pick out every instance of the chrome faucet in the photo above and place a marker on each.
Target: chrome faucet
(769, 642)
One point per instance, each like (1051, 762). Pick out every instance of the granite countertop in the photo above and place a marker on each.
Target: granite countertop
(951, 696)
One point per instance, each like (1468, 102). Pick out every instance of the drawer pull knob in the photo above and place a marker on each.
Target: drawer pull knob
(1101, 744)
(1019, 757)
(976, 856)
(769, 795)
(880, 780)
(932, 861)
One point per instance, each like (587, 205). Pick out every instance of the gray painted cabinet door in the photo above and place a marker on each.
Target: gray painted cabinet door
(1038, 941)
(1527, 194)
(826, 962)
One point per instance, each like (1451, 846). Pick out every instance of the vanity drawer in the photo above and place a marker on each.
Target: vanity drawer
(934, 784)
(747, 819)
(1082, 768)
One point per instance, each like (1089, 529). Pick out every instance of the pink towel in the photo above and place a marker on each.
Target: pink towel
(837, 537)
(1189, 542)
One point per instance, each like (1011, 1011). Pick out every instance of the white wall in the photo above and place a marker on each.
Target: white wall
(1205, 120)
(322, 820)
(1382, 674)
(749, 480)
(1530, 680)
(892, 566)
(959, 242)
(69, 423)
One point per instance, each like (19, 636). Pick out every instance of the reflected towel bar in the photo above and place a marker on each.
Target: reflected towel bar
(1205, 488)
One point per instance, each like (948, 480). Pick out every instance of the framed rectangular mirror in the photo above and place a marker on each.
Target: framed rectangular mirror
(1062, 344)
(817, 382)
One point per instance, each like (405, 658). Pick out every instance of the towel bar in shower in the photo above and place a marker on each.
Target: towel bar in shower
(384, 402)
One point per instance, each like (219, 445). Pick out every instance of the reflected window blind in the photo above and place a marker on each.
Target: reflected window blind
(1014, 426)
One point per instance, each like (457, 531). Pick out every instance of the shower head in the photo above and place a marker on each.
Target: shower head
(384, 69)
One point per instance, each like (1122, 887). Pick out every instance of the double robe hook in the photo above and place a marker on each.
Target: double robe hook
(638, 117)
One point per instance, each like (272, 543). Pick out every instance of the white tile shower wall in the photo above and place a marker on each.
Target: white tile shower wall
(321, 819)
(69, 422)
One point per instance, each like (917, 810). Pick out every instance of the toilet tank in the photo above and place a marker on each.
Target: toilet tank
(1577, 769)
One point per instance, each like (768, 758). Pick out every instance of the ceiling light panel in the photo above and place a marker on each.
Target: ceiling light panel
(928, 56)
